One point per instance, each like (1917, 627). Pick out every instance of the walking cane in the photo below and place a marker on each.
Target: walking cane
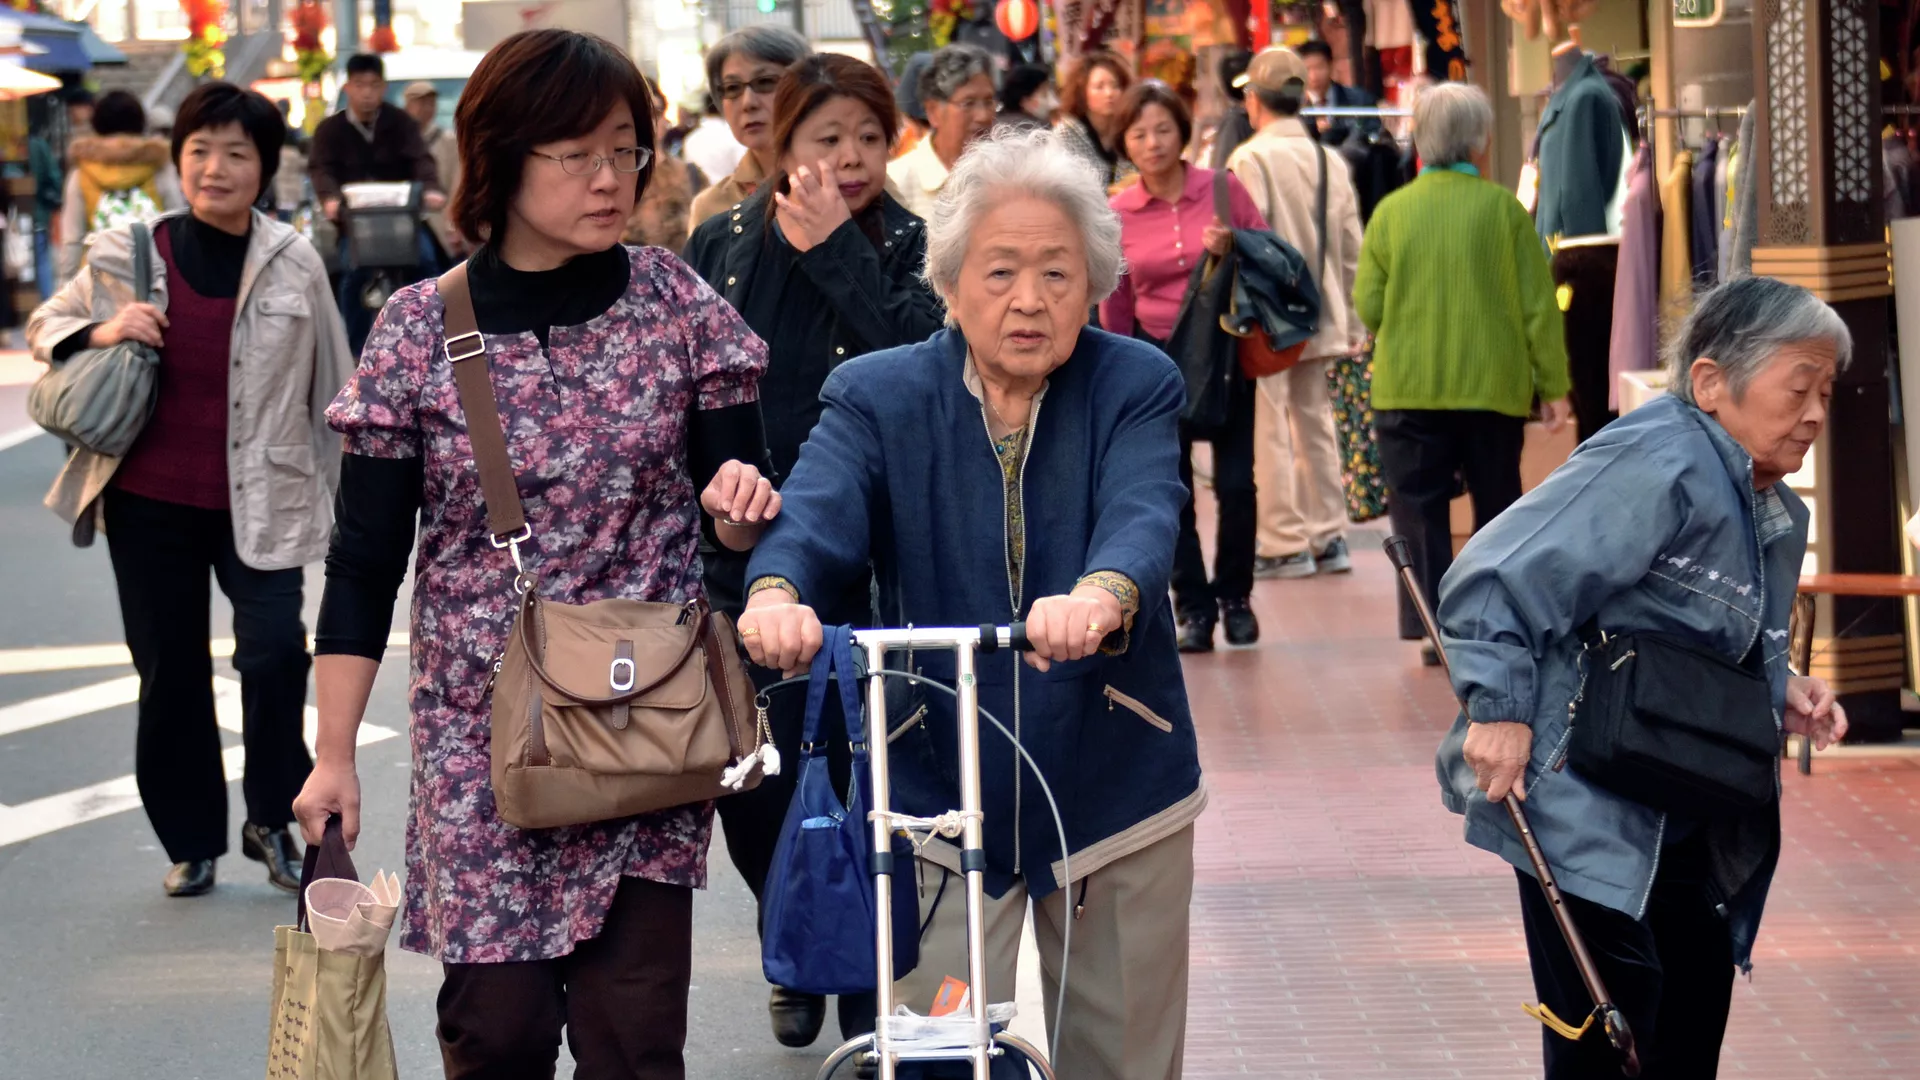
(1400, 553)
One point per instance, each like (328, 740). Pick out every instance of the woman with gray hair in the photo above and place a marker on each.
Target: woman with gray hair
(957, 91)
(1467, 335)
(1022, 465)
(1674, 522)
(743, 69)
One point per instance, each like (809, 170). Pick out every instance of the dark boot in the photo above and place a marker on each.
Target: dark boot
(797, 1017)
(276, 848)
(1196, 634)
(191, 878)
(1242, 627)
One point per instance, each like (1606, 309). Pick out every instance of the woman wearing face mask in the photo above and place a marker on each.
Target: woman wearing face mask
(1167, 225)
(824, 266)
(624, 386)
(742, 70)
(1090, 104)
(232, 476)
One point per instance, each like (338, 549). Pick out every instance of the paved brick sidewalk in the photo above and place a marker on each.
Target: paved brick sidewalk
(1343, 929)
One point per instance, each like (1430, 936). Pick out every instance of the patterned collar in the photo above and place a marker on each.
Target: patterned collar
(1770, 518)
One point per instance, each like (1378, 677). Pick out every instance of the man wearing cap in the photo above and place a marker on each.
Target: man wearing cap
(1303, 514)
(423, 104)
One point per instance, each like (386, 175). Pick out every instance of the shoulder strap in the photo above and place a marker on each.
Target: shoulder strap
(1320, 213)
(466, 350)
(142, 262)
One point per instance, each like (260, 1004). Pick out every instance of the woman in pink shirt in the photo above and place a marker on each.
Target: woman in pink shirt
(1167, 223)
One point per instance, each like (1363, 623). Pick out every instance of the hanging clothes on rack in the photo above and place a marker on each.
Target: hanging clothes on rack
(1704, 226)
(1676, 239)
(1743, 206)
(1636, 288)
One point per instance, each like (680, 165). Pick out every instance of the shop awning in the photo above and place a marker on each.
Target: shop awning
(63, 48)
(99, 50)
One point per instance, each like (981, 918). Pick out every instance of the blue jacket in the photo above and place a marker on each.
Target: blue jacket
(1652, 524)
(901, 471)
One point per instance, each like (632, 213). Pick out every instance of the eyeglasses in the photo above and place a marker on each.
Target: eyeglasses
(764, 86)
(627, 159)
(975, 104)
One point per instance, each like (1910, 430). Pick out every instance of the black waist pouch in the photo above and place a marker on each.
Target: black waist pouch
(1675, 727)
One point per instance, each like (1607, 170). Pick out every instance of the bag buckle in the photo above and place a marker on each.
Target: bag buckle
(512, 544)
(620, 675)
(469, 349)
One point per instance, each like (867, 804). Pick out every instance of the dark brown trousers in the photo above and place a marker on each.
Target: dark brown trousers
(621, 997)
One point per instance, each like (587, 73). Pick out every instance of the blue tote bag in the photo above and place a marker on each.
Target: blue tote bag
(820, 910)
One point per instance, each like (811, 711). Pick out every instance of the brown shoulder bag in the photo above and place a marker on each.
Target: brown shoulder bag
(600, 710)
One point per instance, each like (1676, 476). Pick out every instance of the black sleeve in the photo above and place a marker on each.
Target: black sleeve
(717, 436)
(72, 343)
(882, 311)
(373, 524)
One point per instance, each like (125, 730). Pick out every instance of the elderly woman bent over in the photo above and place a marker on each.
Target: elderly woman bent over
(1022, 465)
(1674, 520)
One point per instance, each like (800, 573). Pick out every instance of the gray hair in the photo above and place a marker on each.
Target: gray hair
(772, 44)
(1451, 123)
(952, 68)
(1743, 324)
(1030, 162)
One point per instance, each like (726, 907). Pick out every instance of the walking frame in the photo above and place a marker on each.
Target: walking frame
(1400, 553)
(983, 1045)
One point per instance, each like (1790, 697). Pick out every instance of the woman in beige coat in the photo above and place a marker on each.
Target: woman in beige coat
(232, 477)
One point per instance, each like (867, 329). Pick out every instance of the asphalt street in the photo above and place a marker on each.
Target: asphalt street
(101, 974)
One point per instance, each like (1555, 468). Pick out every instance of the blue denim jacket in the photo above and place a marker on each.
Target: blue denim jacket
(1651, 525)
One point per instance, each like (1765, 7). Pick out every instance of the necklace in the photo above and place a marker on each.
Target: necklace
(1010, 428)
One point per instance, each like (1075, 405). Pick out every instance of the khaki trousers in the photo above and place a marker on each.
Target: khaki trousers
(1127, 983)
(1296, 462)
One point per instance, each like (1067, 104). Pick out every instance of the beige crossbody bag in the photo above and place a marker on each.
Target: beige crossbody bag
(607, 709)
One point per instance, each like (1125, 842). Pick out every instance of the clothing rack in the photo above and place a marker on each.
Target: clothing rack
(1355, 111)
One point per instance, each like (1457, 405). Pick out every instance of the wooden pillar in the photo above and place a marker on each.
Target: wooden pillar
(1822, 225)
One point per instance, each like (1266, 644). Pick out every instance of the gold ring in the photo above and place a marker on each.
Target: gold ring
(1094, 628)
(750, 631)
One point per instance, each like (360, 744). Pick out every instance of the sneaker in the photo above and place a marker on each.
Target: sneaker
(1335, 559)
(1243, 628)
(1195, 635)
(1284, 566)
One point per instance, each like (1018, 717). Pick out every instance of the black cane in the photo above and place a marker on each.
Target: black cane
(1400, 553)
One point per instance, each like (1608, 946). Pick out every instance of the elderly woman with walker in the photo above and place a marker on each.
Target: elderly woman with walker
(1020, 464)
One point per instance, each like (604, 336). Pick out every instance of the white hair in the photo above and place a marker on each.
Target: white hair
(1743, 324)
(1451, 123)
(1032, 162)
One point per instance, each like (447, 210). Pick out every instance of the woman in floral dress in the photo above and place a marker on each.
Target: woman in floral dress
(623, 383)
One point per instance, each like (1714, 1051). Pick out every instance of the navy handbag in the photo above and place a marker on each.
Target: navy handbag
(820, 908)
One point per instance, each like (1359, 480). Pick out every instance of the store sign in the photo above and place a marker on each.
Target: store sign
(1694, 14)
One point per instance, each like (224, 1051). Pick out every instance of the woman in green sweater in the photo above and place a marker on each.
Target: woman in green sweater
(1455, 286)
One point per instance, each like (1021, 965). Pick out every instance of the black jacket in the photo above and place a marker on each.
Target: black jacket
(341, 155)
(859, 298)
(1340, 128)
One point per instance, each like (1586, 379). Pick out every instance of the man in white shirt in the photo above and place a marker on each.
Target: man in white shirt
(957, 91)
(1296, 464)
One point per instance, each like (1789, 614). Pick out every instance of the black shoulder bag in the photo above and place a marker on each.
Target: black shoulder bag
(1208, 356)
(1674, 726)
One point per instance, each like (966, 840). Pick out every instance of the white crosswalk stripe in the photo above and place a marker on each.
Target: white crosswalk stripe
(64, 810)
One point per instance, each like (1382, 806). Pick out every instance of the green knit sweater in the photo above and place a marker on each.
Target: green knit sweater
(1455, 286)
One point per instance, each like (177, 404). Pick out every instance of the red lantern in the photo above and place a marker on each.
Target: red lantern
(1017, 19)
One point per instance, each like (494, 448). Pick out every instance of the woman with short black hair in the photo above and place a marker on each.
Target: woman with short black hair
(624, 386)
(825, 266)
(232, 477)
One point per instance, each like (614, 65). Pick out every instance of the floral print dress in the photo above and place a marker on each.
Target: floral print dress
(596, 427)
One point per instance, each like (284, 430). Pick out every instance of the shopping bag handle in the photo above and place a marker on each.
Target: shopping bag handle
(326, 859)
